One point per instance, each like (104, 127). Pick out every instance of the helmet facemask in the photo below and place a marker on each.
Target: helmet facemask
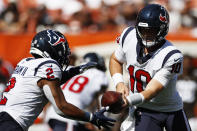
(63, 56)
(148, 35)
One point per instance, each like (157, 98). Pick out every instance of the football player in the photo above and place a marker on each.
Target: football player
(81, 90)
(153, 64)
(36, 81)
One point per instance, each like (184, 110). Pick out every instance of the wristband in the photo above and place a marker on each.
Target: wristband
(91, 116)
(117, 78)
(88, 116)
(135, 99)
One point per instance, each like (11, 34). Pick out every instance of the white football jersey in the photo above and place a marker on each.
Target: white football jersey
(80, 91)
(23, 99)
(163, 65)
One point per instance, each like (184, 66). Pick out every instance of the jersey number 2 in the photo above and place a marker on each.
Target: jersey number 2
(49, 73)
(10, 85)
(137, 78)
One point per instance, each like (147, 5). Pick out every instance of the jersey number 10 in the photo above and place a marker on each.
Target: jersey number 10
(137, 78)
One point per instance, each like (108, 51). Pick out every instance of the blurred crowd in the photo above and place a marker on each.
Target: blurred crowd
(76, 16)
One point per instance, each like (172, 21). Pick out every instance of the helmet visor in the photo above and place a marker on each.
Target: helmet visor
(148, 33)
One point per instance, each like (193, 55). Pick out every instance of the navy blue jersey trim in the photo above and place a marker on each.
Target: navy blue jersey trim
(126, 33)
(45, 62)
(28, 59)
(169, 55)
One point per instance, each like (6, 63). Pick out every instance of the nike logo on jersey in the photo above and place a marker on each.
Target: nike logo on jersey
(175, 60)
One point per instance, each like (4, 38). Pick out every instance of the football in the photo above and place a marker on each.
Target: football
(114, 100)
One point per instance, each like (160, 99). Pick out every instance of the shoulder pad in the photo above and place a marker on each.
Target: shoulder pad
(171, 53)
(125, 33)
(48, 69)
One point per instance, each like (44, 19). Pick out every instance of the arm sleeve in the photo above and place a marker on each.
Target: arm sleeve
(172, 68)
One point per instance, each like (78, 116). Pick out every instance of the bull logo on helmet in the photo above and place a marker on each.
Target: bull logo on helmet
(55, 39)
(162, 17)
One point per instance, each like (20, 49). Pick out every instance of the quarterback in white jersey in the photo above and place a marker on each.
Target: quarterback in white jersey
(37, 80)
(80, 90)
(153, 64)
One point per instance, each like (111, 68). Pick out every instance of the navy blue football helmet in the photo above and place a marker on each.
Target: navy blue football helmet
(152, 25)
(94, 57)
(51, 44)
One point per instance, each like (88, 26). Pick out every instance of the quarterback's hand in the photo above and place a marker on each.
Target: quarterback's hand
(126, 103)
(122, 88)
(100, 120)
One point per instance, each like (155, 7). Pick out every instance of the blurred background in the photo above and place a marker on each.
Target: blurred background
(93, 26)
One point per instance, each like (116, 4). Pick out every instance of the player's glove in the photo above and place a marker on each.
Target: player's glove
(99, 119)
(75, 70)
